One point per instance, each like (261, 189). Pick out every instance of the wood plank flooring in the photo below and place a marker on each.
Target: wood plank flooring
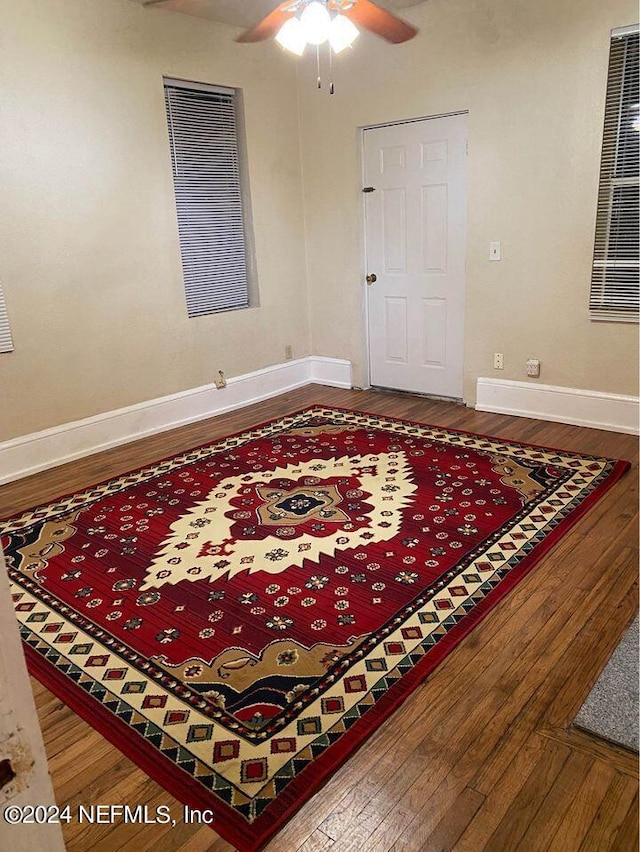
(482, 756)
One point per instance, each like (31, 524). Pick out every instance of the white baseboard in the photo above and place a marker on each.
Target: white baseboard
(610, 411)
(39, 451)
(330, 371)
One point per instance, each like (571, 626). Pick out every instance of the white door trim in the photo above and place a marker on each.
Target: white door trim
(364, 312)
(413, 120)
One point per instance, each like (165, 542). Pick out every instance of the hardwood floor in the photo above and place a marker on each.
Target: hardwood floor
(482, 756)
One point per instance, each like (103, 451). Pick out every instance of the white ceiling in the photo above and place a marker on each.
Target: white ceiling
(240, 13)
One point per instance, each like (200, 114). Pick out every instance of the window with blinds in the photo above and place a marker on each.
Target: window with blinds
(6, 341)
(203, 137)
(615, 277)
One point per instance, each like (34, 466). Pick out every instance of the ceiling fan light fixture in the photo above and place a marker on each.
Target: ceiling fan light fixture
(342, 33)
(291, 37)
(315, 21)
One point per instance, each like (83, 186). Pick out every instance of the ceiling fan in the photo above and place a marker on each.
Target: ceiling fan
(296, 23)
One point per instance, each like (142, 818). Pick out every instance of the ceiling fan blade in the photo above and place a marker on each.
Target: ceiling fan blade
(267, 27)
(379, 21)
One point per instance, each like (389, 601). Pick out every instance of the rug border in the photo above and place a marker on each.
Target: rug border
(185, 789)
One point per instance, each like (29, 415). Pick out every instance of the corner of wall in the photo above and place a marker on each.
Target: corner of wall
(304, 218)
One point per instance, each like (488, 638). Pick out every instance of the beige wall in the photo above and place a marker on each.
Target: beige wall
(89, 255)
(532, 75)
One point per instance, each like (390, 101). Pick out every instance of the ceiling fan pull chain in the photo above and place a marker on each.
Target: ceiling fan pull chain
(331, 86)
(318, 64)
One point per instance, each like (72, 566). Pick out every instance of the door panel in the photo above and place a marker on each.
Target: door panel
(435, 332)
(394, 226)
(435, 206)
(396, 329)
(416, 233)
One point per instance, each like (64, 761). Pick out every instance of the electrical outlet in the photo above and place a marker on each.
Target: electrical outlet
(498, 361)
(220, 382)
(533, 367)
(288, 353)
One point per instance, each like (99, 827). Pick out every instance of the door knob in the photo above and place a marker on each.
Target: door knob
(372, 278)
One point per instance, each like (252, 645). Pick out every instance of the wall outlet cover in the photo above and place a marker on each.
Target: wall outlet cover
(533, 367)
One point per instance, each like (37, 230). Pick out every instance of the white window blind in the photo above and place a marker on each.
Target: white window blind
(203, 137)
(6, 341)
(615, 277)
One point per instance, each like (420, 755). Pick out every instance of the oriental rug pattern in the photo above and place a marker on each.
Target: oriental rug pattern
(238, 618)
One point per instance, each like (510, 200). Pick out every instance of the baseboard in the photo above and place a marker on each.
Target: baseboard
(330, 371)
(609, 411)
(39, 451)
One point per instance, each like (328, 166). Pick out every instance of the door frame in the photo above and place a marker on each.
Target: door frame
(364, 319)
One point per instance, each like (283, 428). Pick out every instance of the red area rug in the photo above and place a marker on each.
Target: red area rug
(239, 618)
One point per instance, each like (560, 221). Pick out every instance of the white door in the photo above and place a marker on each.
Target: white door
(415, 248)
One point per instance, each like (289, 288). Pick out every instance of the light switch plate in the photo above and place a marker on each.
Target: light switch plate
(495, 251)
